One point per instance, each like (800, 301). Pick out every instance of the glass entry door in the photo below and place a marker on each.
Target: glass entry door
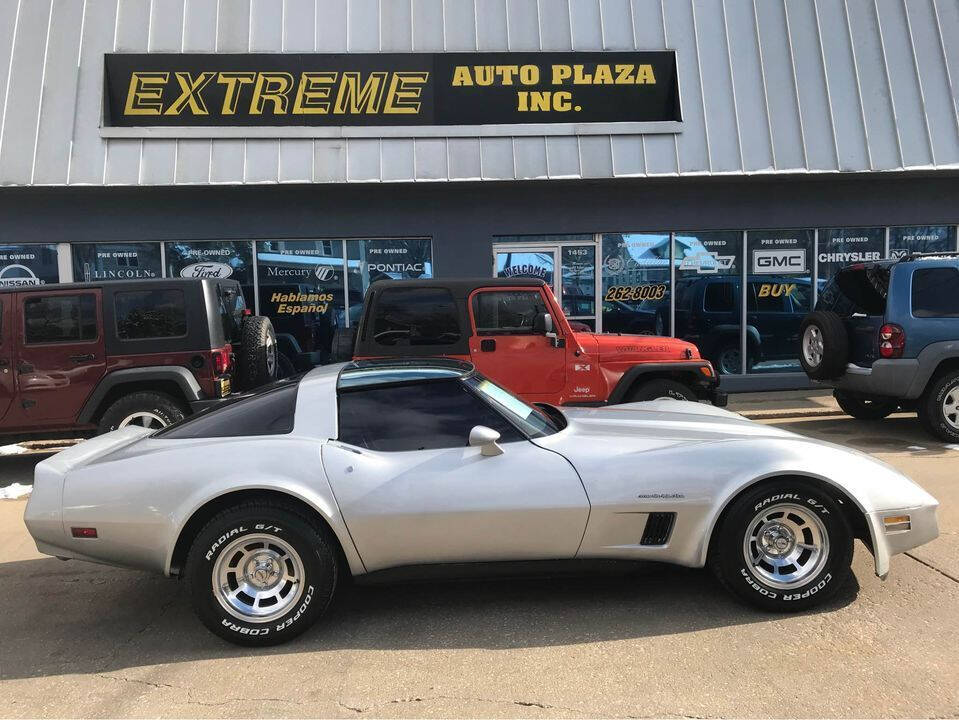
(568, 268)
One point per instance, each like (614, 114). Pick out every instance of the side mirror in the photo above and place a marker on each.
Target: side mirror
(543, 324)
(485, 438)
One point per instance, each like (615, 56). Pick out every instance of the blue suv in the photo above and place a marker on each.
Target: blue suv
(885, 336)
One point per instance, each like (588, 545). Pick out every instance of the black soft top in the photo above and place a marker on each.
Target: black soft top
(459, 289)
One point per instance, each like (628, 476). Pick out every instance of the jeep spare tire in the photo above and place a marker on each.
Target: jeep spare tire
(256, 361)
(823, 345)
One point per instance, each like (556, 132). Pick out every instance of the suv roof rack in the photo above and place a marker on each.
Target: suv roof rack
(916, 255)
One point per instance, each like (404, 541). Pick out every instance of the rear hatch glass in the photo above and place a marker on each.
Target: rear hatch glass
(858, 295)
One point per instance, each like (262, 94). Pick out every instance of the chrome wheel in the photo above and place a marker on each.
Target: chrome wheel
(143, 418)
(812, 347)
(786, 545)
(258, 578)
(730, 361)
(950, 407)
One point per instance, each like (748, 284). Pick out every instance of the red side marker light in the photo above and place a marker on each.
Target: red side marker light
(79, 532)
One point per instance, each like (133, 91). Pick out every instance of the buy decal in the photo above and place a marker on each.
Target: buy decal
(776, 289)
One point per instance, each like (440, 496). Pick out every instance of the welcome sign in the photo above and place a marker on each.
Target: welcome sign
(410, 94)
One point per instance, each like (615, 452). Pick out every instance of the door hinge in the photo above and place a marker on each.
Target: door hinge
(28, 403)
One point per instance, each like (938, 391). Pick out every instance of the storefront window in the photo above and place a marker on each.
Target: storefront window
(839, 247)
(708, 295)
(778, 296)
(301, 291)
(527, 264)
(28, 265)
(220, 259)
(116, 261)
(921, 239)
(384, 259)
(635, 288)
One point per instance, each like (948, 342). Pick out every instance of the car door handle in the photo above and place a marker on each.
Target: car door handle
(24, 368)
(487, 345)
(83, 358)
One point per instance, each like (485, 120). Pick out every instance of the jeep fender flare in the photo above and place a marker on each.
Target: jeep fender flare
(636, 373)
(182, 377)
(930, 359)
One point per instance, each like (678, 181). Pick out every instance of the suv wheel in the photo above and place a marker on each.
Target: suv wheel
(784, 546)
(146, 409)
(938, 408)
(729, 360)
(257, 359)
(260, 573)
(865, 408)
(659, 389)
(824, 345)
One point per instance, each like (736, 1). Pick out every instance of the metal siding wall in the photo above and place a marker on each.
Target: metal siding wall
(803, 86)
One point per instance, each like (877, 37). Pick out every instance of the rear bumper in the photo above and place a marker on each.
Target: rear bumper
(886, 378)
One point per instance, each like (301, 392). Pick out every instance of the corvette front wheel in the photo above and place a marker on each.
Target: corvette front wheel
(785, 546)
(260, 574)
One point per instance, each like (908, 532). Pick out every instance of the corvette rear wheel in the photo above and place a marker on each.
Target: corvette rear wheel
(784, 546)
(260, 573)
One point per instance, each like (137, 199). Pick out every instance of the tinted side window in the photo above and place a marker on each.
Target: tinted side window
(507, 312)
(935, 292)
(60, 318)
(422, 416)
(719, 297)
(150, 314)
(268, 412)
(415, 316)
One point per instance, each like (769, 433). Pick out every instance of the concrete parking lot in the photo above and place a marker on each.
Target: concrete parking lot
(82, 640)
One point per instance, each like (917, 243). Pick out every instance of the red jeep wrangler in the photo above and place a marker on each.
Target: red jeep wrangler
(515, 333)
(84, 358)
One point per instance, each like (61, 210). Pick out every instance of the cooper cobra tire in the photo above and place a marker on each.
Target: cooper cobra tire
(656, 389)
(256, 364)
(938, 408)
(796, 539)
(260, 573)
(823, 345)
(146, 409)
(864, 408)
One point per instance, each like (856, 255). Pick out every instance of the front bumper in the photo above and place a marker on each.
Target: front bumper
(887, 541)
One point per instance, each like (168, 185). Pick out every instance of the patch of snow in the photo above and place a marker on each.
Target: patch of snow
(952, 447)
(12, 492)
(915, 447)
(12, 450)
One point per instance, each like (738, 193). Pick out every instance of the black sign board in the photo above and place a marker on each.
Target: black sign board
(441, 90)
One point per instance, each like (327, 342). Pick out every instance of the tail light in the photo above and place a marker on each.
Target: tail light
(892, 340)
(222, 359)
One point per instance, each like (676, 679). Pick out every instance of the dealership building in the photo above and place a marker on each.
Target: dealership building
(689, 167)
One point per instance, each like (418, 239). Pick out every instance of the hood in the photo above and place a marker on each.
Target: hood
(667, 420)
(641, 347)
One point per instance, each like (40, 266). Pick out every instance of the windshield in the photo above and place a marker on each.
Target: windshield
(533, 422)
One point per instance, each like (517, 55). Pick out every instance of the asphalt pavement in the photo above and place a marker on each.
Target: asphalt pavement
(78, 639)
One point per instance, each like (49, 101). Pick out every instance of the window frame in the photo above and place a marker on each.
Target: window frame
(116, 317)
(474, 311)
(28, 297)
(374, 313)
(912, 293)
(522, 435)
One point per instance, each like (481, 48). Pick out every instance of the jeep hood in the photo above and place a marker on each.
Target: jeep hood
(616, 346)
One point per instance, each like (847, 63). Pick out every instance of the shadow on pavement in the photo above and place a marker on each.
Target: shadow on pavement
(83, 618)
(19, 468)
(898, 433)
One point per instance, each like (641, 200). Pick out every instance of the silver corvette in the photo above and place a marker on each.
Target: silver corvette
(266, 503)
